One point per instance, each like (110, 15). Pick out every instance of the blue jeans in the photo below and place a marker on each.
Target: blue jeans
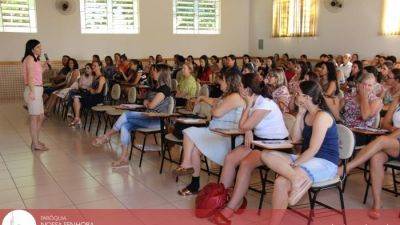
(130, 121)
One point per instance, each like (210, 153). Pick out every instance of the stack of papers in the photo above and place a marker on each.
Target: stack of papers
(190, 120)
(278, 144)
(370, 129)
(130, 106)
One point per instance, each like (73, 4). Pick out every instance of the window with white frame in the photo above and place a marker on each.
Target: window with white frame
(109, 16)
(197, 16)
(18, 16)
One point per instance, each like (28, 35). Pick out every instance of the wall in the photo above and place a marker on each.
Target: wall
(354, 29)
(61, 34)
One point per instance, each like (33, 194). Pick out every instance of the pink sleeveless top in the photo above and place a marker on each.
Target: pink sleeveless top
(37, 73)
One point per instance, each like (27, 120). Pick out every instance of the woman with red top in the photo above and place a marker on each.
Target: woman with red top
(32, 70)
(204, 73)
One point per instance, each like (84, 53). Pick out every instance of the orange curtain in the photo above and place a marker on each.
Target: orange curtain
(391, 17)
(294, 18)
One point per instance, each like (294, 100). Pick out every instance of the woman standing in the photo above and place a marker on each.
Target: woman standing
(32, 70)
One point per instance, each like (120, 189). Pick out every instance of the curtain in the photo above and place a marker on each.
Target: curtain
(391, 17)
(294, 18)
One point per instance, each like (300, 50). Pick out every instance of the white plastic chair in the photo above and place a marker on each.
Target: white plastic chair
(346, 148)
(132, 94)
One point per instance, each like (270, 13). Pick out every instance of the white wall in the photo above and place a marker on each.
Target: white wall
(354, 29)
(61, 34)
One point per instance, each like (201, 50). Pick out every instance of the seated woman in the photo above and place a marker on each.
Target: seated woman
(328, 78)
(109, 69)
(196, 141)
(280, 93)
(204, 72)
(320, 152)
(390, 87)
(380, 150)
(157, 101)
(70, 83)
(84, 82)
(361, 108)
(133, 76)
(263, 117)
(91, 97)
(355, 74)
(187, 86)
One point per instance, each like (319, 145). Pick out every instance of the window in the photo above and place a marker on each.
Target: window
(18, 16)
(391, 17)
(294, 18)
(109, 16)
(197, 16)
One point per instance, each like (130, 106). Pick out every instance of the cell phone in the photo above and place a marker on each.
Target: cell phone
(46, 56)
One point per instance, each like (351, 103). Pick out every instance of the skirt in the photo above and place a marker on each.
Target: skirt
(212, 145)
(35, 107)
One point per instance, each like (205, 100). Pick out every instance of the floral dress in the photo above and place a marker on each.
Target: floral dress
(352, 111)
(282, 94)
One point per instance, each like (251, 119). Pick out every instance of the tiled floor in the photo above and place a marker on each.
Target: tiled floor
(73, 174)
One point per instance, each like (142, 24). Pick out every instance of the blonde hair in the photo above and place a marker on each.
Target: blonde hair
(190, 66)
(280, 75)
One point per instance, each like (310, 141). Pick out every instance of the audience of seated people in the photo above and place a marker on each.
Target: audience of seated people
(253, 99)
(128, 122)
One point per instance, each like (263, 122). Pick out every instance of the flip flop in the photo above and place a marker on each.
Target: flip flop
(298, 191)
(180, 171)
(219, 219)
(374, 214)
(119, 164)
(187, 192)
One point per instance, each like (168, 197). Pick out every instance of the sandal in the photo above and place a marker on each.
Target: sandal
(374, 214)
(187, 192)
(298, 191)
(242, 207)
(180, 171)
(119, 164)
(76, 124)
(99, 141)
(41, 148)
(219, 219)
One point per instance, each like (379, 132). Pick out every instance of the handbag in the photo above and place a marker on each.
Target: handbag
(210, 199)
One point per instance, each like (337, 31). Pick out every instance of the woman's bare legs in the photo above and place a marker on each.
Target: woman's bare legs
(243, 177)
(51, 103)
(36, 122)
(232, 160)
(377, 176)
(386, 144)
(280, 199)
(188, 147)
(77, 109)
(280, 163)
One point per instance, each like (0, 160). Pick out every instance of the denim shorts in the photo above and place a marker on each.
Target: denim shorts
(318, 169)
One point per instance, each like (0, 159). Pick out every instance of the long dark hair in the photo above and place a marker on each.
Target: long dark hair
(256, 85)
(76, 65)
(30, 45)
(232, 80)
(314, 90)
(206, 65)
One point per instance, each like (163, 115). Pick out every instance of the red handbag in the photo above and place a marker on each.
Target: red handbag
(210, 199)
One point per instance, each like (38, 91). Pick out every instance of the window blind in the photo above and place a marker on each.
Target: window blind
(18, 16)
(196, 16)
(109, 16)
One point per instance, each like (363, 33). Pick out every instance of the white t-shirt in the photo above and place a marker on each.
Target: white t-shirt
(396, 117)
(272, 126)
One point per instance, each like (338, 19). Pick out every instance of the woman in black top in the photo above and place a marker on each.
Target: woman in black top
(157, 101)
(92, 97)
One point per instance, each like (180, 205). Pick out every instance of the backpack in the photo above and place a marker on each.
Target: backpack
(210, 199)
